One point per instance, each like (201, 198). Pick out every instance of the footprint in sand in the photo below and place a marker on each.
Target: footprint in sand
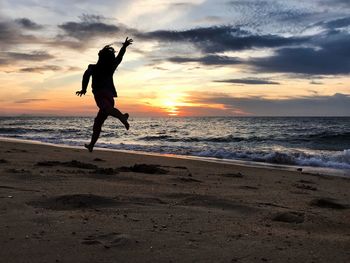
(306, 182)
(73, 164)
(18, 151)
(328, 203)
(206, 201)
(75, 201)
(109, 240)
(99, 160)
(144, 168)
(249, 187)
(306, 187)
(187, 180)
(289, 217)
(18, 171)
(233, 175)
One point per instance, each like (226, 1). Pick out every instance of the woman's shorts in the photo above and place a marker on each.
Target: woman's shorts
(104, 99)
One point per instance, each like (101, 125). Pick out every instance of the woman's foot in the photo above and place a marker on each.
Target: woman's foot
(89, 147)
(125, 122)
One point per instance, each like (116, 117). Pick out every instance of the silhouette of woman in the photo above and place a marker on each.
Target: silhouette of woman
(103, 88)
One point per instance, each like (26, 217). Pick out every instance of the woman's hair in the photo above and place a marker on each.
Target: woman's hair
(106, 57)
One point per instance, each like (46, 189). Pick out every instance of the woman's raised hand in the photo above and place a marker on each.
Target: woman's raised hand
(128, 41)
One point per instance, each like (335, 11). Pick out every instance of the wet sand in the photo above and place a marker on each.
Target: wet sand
(68, 205)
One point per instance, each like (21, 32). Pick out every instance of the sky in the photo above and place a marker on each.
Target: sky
(189, 58)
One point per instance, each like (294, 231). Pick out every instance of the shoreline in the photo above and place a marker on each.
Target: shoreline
(321, 171)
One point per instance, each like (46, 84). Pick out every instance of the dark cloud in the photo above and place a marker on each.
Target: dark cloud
(341, 3)
(291, 15)
(336, 105)
(33, 56)
(11, 35)
(75, 35)
(337, 23)
(331, 56)
(326, 53)
(29, 100)
(28, 24)
(89, 27)
(40, 69)
(13, 58)
(249, 81)
(79, 35)
(221, 38)
(207, 60)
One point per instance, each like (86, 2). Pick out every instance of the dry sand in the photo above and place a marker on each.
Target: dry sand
(67, 205)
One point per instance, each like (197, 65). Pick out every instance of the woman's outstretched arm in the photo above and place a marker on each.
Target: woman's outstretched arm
(121, 53)
(85, 81)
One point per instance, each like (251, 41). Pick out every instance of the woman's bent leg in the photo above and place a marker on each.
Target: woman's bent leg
(117, 114)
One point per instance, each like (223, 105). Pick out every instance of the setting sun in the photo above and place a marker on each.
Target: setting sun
(171, 104)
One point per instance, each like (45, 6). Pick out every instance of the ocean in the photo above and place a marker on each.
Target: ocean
(300, 141)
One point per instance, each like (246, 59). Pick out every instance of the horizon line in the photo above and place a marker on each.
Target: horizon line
(190, 116)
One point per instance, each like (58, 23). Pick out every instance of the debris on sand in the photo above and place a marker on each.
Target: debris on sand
(289, 217)
(144, 168)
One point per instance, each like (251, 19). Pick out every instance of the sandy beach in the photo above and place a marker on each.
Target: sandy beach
(68, 205)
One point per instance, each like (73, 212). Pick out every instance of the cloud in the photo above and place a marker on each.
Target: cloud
(28, 24)
(341, 3)
(207, 60)
(330, 56)
(325, 53)
(79, 35)
(336, 105)
(87, 29)
(75, 35)
(159, 68)
(314, 82)
(12, 58)
(221, 38)
(40, 69)
(29, 100)
(11, 35)
(181, 5)
(280, 16)
(271, 9)
(337, 23)
(249, 81)
(73, 68)
(32, 56)
(210, 19)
